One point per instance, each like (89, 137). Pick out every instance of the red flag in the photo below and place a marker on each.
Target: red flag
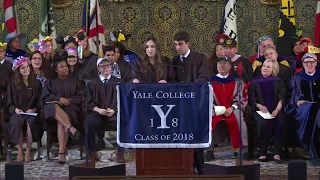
(317, 27)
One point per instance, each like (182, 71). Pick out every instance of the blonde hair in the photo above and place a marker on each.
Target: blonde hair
(275, 67)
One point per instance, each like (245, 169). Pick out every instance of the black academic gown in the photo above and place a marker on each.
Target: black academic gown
(23, 99)
(68, 88)
(5, 74)
(150, 76)
(268, 92)
(307, 88)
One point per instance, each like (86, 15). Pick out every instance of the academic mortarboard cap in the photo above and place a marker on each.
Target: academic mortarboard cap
(230, 43)
(220, 36)
(309, 55)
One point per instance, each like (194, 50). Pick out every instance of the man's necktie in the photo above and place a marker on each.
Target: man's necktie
(105, 82)
(183, 59)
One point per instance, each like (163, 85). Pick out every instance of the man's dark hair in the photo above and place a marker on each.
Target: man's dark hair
(182, 36)
(108, 48)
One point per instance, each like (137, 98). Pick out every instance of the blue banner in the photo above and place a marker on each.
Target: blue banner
(176, 115)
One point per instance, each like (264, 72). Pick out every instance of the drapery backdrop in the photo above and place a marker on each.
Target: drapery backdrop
(163, 18)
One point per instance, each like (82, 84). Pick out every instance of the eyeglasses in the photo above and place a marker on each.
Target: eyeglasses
(223, 63)
(309, 62)
(105, 66)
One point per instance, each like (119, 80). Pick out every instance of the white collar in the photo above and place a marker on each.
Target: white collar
(186, 54)
(311, 73)
(102, 78)
(2, 61)
(235, 57)
(220, 76)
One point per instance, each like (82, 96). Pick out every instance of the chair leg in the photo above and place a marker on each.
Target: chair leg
(5, 148)
(48, 143)
(38, 148)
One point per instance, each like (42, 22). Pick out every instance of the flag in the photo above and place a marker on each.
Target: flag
(47, 27)
(316, 38)
(10, 18)
(287, 28)
(92, 25)
(228, 24)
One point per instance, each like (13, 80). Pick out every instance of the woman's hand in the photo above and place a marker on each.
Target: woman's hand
(299, 103)
(163, 81)
(136, 81)
(64, 101)
(262, 108)
(228, 112)
(110, 112)
(31, 111)
(18, 111)
(275, 113)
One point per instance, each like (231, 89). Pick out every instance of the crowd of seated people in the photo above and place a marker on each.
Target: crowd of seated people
(53, 83)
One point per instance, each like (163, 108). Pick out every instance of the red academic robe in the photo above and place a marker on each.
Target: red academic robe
(225, 94)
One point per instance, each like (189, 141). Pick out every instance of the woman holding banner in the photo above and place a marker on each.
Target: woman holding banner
(153, 67)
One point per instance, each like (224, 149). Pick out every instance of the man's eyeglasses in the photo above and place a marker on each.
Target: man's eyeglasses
(105, 66)
(309, 62)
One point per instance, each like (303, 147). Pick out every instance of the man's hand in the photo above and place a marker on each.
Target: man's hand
(228, 112)
(18, 111)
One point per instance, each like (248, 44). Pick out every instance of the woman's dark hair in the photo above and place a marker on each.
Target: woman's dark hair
(59, 57)
(41, 67)
(213, 60)
(121, 47)
(158, 64)
(18, 81)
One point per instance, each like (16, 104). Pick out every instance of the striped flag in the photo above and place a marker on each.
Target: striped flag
(287, 28)
(10, 18)
(47, 27)
(92, 25)
(317, 27)
(229, 20)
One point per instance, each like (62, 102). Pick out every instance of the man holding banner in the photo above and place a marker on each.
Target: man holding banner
(190, 66)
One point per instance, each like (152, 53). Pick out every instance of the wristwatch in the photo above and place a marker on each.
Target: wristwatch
(233, 108)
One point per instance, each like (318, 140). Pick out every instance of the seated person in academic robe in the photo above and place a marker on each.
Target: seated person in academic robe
(267, 94)
(285, 73)
(23, 97)
(61, 100)
(37, 66)
(120, 68)
(75, 68)
(153, 67)
(14, 43)
(304, 104)
(102, 105)
(227, 92)
(5, 74)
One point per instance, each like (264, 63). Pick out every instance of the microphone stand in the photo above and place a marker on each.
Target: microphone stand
(239, 86)
(86, 125)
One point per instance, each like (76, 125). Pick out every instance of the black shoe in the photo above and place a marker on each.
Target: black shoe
(235, 154)
(209, 156)
(62, 162)
(278, 161)
(262, 159)
(75, 136)
(100, 145)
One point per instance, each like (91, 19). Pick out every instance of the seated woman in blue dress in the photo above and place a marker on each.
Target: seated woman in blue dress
(267, 94)
(305, 104)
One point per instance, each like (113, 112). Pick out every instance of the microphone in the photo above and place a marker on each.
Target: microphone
(183, 71)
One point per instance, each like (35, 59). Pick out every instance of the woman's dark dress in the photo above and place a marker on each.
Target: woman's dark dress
(24, 99)
(150, 76)
(268, 92)
(68, 88)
